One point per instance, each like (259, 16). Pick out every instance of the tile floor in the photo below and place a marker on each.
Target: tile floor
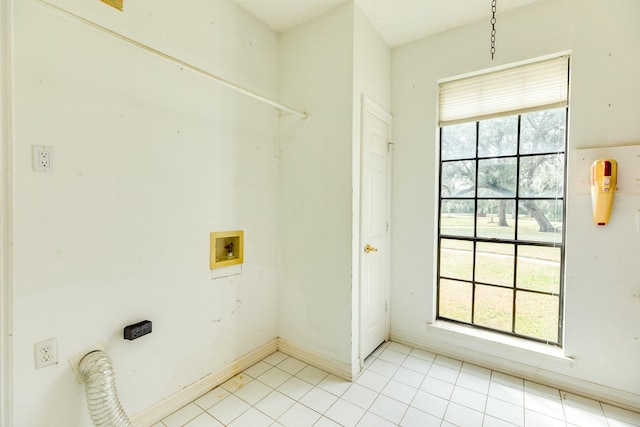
(400, 386)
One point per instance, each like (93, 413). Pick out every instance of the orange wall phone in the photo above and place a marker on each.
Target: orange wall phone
(603, 189)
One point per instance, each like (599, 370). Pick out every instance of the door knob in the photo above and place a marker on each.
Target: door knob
(369, 248)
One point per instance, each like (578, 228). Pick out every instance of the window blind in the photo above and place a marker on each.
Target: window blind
(530, 87)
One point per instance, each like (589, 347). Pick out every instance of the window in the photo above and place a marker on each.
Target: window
(501, 214)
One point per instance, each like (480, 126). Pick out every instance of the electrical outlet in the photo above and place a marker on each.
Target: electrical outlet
(45, 353)
(133, 332)
(43, 159)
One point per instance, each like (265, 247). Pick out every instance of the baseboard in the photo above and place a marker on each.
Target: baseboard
(337, 368)
(165, 407)
(162, 409)
(532, 373)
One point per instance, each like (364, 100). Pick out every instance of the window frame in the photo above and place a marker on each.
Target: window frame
(516, 241)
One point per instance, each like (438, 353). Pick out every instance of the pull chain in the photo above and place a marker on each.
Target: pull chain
(493, 28)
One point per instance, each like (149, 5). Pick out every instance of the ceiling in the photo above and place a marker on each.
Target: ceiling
(398, 21)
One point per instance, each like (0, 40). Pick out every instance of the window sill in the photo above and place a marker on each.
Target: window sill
(483, 338)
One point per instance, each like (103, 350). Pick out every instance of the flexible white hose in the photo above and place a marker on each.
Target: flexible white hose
(100, 385)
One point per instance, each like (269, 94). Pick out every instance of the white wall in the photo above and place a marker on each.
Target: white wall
(371, 78)
(316, 74)
(150, 159)
(5, 220)
(326, 65)
(602, 306)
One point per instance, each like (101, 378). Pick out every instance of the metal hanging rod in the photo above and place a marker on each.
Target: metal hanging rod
(173, 59)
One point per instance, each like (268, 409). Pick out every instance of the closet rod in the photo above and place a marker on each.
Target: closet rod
(173, 59)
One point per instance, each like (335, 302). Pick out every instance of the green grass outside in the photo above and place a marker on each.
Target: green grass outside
(528, 229)
(538, 268)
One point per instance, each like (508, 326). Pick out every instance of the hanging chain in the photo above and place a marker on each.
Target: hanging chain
(493, 28)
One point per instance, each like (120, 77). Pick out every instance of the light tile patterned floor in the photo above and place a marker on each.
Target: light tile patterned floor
(400, 386)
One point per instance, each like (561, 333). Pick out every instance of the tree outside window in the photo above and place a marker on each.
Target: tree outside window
(501, 223)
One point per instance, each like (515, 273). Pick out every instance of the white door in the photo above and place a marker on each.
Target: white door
(374, 227)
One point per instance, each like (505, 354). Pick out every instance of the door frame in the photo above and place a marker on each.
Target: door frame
(368, 106)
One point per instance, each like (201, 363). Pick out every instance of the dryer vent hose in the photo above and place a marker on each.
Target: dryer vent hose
(100, 385)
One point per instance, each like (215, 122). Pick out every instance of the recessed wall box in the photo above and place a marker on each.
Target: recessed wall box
(227, 248)
(118, 4)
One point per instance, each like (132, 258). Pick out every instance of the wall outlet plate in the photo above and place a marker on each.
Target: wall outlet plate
(45, 353)
(43, 159)
(75, 360)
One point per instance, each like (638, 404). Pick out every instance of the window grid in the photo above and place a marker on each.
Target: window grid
(516, 241)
